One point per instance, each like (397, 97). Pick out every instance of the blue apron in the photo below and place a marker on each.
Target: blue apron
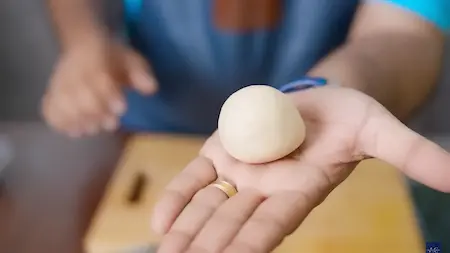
(201, 51)
(200, 55)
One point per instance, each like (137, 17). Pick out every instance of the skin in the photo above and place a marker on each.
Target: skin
(345, 125)
(195, 217)
(84, 95)
(396, 59)
(386, 69)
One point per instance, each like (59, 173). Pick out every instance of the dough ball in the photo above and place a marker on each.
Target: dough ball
(260, 124)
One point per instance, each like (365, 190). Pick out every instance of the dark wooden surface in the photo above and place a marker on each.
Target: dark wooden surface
(50, 190)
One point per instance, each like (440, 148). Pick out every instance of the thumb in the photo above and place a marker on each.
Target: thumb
(139, 74)
(388, 139)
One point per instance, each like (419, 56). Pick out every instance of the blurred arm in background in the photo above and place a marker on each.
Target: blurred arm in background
(85, 94)
(392, 54)
(76, 21)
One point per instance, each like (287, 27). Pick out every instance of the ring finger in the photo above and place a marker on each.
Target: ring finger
(192, 219)
(114, 101)
(221, 228)
(68, 113)
(92, 109)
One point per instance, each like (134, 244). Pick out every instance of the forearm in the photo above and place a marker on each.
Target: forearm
(76, 21)
(395, 59)
(397, 70)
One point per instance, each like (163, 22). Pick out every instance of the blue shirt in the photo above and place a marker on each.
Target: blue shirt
(201, 51)
(434, 11)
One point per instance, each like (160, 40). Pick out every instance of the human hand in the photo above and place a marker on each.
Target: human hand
(344, 127)
(85, 94)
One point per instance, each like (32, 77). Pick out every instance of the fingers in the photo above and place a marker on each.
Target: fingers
(275, 218)
(139, 74)
(58, 113)
(86, 96)
(111, 97)
(90, 110)
(225, 223)
(211, 223)
(191, 220)
(388, 139)
(197, 175)
(85, 106)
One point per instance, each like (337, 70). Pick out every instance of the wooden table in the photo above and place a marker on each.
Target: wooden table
(369, 212)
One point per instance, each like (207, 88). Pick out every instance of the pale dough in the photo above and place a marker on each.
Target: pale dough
(260, 124)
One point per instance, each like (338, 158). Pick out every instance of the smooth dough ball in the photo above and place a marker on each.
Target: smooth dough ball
(260, 124)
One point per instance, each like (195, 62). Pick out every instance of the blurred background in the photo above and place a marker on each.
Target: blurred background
(50, 184)
(28, 50)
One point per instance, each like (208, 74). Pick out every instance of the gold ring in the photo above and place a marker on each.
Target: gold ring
(225, 187)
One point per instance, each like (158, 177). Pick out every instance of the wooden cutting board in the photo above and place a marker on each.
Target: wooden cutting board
(369, 212)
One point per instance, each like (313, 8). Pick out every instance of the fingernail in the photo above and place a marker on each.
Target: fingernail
(110, 124)
(74, 134)
(118, 107)
(144, 78)
(146, 82)
(93, 129)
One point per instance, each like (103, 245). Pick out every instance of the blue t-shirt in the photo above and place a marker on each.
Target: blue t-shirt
(201, 51)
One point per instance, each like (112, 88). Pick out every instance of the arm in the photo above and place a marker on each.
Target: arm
(391, 54)
(76, 21)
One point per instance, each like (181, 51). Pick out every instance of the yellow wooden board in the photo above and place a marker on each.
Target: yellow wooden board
(369, 212)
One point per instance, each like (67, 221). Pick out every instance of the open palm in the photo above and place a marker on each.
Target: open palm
(344, 126)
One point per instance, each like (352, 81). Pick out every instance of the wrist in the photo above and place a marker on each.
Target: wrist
(85, 43)
(303, 83)
(84, 36)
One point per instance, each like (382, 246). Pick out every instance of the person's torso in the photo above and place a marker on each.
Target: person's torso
(201, 51)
